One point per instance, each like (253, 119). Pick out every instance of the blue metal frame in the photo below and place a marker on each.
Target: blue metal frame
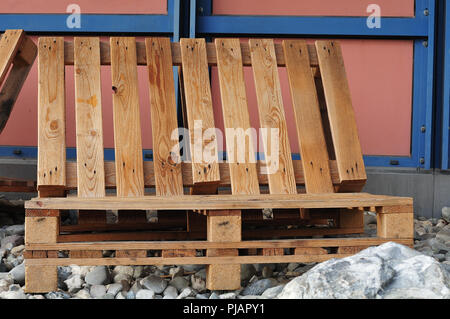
(443, 117)
(420, 28)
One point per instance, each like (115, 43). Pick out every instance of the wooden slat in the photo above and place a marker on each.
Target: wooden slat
(340, 112)
(51, 113)
(313, 148)
(166, 159)
(221, 202)
(126, 111)
(243, 175)
(9, 45)
(88, 107)
(271, 115)
(199, 111)
(105, 55)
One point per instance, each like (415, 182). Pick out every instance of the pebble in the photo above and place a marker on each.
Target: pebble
(131, 295)
(114, 288)
(267, 272)
(121, 295)
(123, 277)
(83, 294)
(145, 294)
(229, 295)
(18, 250)
(444, 236)
(187, 292)
(247, 271)
(154, 283)
(198, 283)
(98, 291)
(57, 295)
(446, 214)
(74, 283)
(170, 293)
(179, 282)
(258, 287)
(98, 276)
(272, 292)
(176, 272)
(15, 230)
(14, 240)
(18, 274)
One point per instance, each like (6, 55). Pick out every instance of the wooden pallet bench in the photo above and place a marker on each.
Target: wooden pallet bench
(221, 214)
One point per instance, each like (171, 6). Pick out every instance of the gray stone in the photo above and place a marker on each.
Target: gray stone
(64, 272)
(267, 272)
(128, 270)
(131, 295)
(170, 293)
(202, 296)
(15, 230)
(187, 292)
(123, 277)
(4, 285)
(80, 270)
(138, 271)
(192, 268)
(2, 253)
(145, 294)
(6, 276)
(214, 296)
(114, 288)
(98, 276)
(106, 296)
(121, 295)
(259, 267)
(443, 235)
(251, 297)
(272, 292)
(18, 274)
(446, 214)
(74, 283)
(179, 282)
(155, 283)
(247, 271)
(229, 295)
(198, 283)
(176, 272)
(18, 250)
(15, 240)
(292, 266)
(83, 294)
(387, 271)
(97, 291)
(13, 294)
(258, 287)
(57, 295)
(36, 297)
(136, 287)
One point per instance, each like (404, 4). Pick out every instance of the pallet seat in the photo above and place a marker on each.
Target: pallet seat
(214, 209)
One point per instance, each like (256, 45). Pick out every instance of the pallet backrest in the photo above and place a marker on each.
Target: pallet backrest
(331, 158)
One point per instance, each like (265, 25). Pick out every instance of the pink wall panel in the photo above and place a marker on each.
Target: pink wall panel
(389, 8)
(87, 6)
(380, 77)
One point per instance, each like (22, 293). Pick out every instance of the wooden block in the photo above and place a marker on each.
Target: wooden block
(395, 225)
(126, 113)
(199, 111)
(351, 218)
(240, 152)
(271, 252)
(313, 148)
(340, 112)
(40, 230)
(88, 107)
(134, 253)
(310, 251)
(85, 254)
(351, 250)
(51, 113)
(224, 228)
(170, 253)
(223, 277)
(40, 279)
(217, 252)
(271, 115)
(42, 213)
(166, 158)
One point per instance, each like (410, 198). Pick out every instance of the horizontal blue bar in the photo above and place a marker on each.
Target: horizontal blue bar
(30, 152)
(311, 26)
(143, 23)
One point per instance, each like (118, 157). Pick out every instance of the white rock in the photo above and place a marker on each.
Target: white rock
(154, 283)
(83, 294)
(272, 292)
(187, 292)
(98, 291)
(99, 275)
(138, 270)
(18, 250)
(121, 295)
(18, 273)
(113, 289)
(387, 271)
(128, 270)
(36, 297)
(18, 294)
(145, 294)
(229, 295)
(80, 270)
(119, 277)
(170, 293)
(74, 283)
(176, 272)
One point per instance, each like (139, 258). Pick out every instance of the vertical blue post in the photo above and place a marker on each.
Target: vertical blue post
(446, 94)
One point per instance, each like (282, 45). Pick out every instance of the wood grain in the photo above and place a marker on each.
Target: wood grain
(199, 111)
(9, 45)
(88, 109)
(51, 113)
(126, 113)
(340, 112)
(313, 148)
(271, 114)
(166, 159)
(243, 174)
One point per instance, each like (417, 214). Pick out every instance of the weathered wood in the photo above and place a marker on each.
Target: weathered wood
(271, 115)
(131, 253)
(310, 251)
(340, 112)
(85, 254)
(171, 253)
(310, 133)
(51, 165)
(88, 107)
(396, 222)
(40, 230)
(199, 111)
(40, 279)
(126, 113)
(166, 156)
(240, 152)
(9, 45)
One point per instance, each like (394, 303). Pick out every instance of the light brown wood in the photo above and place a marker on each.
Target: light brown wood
(247, 244)
(340, 112)
(199, 111)
(9, 45)
(225, 180)
(85, 254)
(166, 156)
(272, 252)
(310, 251)
(313, 148)
(40, 230)
(40, 279)
(353, 218)
(351, 249)
(271, 115)
(396, 225)
(126, 113)
(240, 150)
(171, 253)
(221, 202)
(105, 54)
(88, 107)
(51, 165)
(133, 253)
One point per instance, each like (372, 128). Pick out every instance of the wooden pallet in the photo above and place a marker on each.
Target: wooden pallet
(208, 212)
